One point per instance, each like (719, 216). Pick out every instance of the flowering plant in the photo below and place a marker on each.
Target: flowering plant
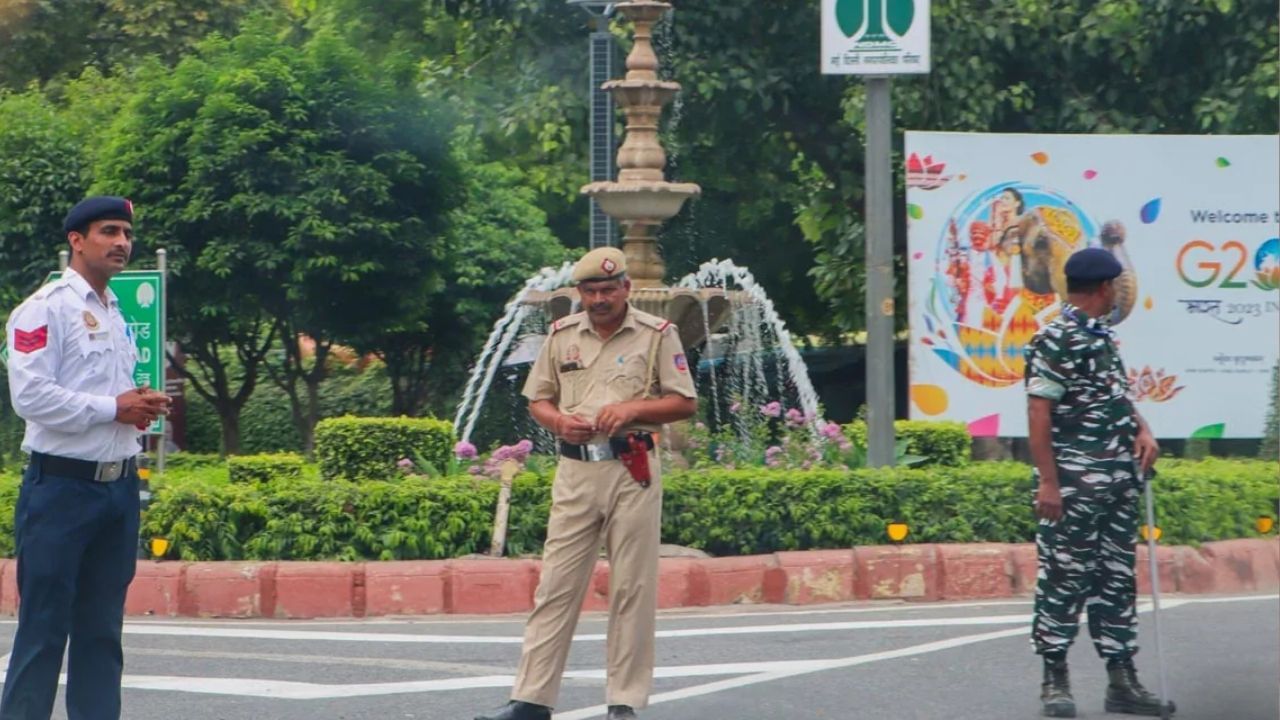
(467, 460)
(775, 436)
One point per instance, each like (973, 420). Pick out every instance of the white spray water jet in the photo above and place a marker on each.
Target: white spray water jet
(504, 332)
(723, 274)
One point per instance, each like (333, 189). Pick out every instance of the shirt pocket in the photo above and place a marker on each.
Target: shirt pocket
(573, 388)
(93, 354)
(626, 380)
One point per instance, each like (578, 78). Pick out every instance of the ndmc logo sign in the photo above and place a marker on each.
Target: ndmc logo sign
(875, 37)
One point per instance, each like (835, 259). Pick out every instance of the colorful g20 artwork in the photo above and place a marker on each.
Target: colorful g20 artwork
(993, 219)
(999, 276)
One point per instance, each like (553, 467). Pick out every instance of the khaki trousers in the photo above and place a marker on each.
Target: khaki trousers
(591, 501)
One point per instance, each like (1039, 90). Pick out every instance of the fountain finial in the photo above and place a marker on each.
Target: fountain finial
(642, 199)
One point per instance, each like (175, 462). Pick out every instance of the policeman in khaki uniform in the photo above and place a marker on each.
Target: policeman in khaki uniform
(71, 362)
(605, 381)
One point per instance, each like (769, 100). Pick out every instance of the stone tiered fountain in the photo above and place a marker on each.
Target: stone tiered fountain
(720, 299)
(641, 199)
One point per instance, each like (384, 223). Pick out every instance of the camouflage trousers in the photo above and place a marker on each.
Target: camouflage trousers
(1086, 560)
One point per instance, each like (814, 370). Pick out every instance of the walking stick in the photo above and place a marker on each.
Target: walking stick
(1155, 593)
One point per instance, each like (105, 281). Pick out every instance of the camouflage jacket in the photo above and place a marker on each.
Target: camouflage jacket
(1073, 361)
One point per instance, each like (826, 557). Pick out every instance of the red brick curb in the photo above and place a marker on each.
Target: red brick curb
(479, 586)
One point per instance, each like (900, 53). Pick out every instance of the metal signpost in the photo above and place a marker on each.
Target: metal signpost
(876, 39)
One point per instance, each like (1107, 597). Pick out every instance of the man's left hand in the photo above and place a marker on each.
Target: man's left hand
(615, 417)
(1146, 449)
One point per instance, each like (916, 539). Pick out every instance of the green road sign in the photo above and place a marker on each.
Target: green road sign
(141, 294)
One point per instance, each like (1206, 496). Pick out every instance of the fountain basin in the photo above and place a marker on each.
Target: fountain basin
(682, 306)
(651, 94)
(653, 200)
(646, 11)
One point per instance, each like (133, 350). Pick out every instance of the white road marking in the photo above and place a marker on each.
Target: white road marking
(337, 660)
(332, 636)
(812, 666)
(747, 673)
(802, 668)
(294, 690)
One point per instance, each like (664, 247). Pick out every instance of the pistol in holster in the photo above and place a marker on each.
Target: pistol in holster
(633, 450)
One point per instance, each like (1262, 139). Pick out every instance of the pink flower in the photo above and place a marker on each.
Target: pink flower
(772, 451)
(405, 464)
(832, 431)
(464, 450)
(525, 446)
(773, 409)
(795, 417)
(735, 407)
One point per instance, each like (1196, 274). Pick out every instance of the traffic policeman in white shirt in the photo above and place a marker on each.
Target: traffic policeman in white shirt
(71, 362)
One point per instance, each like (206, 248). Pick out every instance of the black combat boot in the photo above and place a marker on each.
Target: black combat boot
(1126, 695)
(1055, 692)
(517, 710)
(621, 712)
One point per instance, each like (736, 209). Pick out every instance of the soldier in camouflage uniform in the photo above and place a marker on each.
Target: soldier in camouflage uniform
(1087, 442)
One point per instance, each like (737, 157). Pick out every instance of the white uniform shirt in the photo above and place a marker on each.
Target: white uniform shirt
(69, 357)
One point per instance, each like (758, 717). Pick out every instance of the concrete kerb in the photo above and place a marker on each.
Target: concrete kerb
(499, 586)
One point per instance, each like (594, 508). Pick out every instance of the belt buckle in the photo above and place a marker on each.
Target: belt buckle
(598, 452)
(109, 471)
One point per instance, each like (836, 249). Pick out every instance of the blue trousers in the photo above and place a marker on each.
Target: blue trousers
(77, 544)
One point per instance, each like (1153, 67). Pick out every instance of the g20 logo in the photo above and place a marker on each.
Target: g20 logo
(1200, 263)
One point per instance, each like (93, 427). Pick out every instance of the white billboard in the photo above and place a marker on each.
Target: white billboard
(1195, 220)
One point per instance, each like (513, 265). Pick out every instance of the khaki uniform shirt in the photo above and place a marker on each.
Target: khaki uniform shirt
(582, 373)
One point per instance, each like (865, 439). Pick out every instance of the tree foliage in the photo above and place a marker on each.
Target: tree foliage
(299, 192)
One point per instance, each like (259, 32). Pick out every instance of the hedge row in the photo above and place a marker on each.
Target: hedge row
(746, 511)
(940, 442)
(355, 448)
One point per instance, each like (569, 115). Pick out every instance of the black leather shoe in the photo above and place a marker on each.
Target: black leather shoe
(621, 712)
(1126, 695)
(1055, 692)
(517, 710)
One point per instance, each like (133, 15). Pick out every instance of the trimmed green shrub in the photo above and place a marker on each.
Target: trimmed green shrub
(941, 442)
(10, 482)
(189, 461)
(368, 448)
(724, 512)
(264, 468)
(1269, 449)
(411, 519)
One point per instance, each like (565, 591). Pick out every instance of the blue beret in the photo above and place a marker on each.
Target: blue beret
(1092, 265)
(98, 207)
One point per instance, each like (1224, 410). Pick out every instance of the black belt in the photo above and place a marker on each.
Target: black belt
(602, 451)
(83, 469)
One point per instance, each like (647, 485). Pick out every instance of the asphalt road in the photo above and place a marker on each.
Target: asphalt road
(867, 660)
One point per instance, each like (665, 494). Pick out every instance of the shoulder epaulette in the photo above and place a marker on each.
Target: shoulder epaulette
(657, 323)
(46, 290)
(566, 321)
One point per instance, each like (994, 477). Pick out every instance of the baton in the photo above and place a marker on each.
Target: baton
(1155, 592)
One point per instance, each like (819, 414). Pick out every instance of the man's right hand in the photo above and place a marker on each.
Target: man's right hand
(141, 406)
(574, 429)
(1049, 501)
